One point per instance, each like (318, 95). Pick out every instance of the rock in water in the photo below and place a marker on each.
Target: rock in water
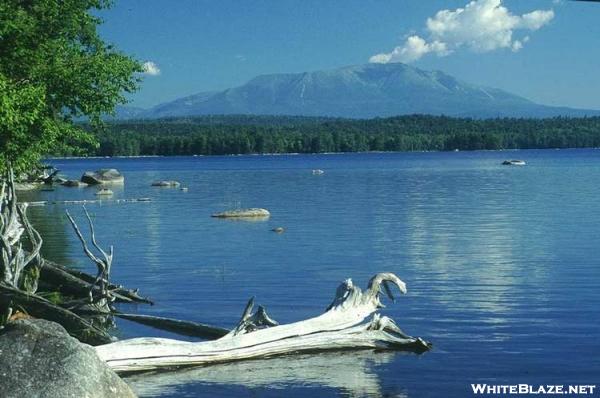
(243, 213)
(39, 359)
(74, 183)
(167, 184)
(103, 176)
(514, 162)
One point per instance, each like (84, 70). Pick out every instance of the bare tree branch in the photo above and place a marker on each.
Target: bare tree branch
(103, 265)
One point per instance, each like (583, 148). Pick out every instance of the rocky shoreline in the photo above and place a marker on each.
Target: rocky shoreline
(39, 359)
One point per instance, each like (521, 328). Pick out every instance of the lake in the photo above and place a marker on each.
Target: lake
(502, 263)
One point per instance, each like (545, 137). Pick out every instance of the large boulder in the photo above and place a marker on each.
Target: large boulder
(39, 359)
(103, 176)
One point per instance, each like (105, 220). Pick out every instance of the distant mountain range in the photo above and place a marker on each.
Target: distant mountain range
(362, 91)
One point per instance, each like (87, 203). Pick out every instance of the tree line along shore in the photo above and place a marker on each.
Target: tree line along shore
(223, 135)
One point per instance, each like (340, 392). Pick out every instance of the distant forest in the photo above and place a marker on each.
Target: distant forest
(221, 135)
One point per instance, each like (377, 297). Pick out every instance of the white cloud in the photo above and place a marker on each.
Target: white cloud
(414, 48)
(151, 69)
(536, 19)
(481, 26)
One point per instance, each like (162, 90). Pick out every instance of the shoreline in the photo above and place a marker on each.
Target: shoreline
(311, 153)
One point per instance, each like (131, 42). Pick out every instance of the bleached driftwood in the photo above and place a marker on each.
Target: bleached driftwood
(79, 284)
(342, 326)
(103, 261)
(12, 229)
(18, 268)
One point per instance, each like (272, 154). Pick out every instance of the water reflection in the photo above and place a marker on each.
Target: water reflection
(467, 237)
(352, 373)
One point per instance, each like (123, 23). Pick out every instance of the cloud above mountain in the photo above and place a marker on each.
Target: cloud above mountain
(481, 26)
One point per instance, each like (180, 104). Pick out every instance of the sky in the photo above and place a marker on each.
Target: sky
(545, 50)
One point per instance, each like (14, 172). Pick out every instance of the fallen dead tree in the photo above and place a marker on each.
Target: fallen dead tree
(80, 302)
(184, 328)
(84, 307)
(31, 285)
(19, 269)
(78, 283)
(39, 307)
(342, 326)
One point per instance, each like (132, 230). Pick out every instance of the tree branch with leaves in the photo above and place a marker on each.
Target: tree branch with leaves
(54, 69)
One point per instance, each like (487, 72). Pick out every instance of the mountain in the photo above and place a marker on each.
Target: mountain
(362, 91)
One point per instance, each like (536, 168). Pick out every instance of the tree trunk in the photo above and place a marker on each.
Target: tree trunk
(72, 282)
(342, 326)
(39, 307)
(184, 328)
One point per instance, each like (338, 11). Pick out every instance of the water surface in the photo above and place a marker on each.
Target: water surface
(501, 262)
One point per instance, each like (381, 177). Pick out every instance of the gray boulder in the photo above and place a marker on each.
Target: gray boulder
(103, 176)
(39, 359)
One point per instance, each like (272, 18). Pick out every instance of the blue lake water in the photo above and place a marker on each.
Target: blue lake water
(502, 263)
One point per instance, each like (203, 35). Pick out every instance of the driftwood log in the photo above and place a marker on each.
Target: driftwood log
(78, 283)
(23, 271)
(38, 307)
(342, 326)
(19, 270)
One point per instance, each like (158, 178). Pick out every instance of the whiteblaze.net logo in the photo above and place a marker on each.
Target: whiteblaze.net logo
(505, 389)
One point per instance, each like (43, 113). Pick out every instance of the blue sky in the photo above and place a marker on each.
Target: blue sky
(204, 45)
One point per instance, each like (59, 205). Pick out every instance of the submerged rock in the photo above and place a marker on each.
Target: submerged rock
(38, 358)
(74, 183)
(103, 176)
(243, 213)
(104, 192)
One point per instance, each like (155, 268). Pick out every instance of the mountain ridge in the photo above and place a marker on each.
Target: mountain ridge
(358, 92)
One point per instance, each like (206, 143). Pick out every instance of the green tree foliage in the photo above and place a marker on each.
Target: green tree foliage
(221, 135)
(55, 68)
